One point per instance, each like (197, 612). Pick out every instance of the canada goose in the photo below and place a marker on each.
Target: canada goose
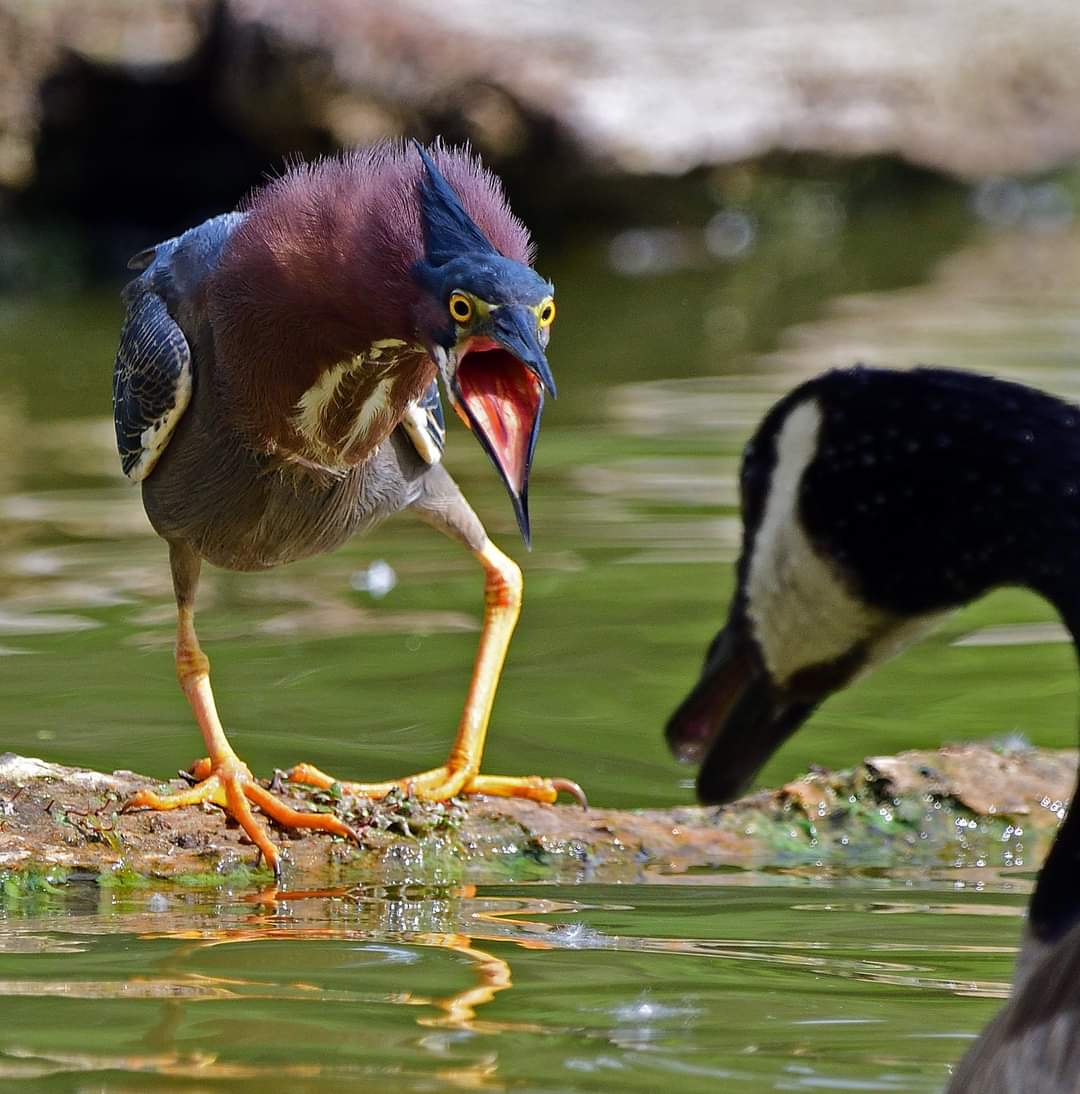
(874, 502)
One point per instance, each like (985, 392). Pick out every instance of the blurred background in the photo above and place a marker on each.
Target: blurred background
(729, 197)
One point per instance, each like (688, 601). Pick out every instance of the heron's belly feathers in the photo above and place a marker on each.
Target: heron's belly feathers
(242, 511)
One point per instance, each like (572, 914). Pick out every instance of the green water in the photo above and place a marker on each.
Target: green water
(744, 982)
(740, 981)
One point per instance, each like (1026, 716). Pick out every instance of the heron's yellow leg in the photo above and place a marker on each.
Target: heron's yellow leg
(223, 778)
(461, 772)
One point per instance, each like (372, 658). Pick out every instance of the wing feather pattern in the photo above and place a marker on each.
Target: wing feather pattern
(152, 383)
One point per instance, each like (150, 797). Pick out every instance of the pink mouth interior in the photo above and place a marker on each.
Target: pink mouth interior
(503, 397)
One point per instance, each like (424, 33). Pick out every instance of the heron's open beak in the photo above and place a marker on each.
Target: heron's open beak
(498, 391)
(734, 719)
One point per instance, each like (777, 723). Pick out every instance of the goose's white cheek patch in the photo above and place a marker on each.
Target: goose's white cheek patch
(801, 606)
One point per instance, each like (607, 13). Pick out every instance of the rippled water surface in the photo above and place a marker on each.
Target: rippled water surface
(738, 981)
(668, 348)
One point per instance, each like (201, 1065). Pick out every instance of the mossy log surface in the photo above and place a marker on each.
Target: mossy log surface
(967, 805)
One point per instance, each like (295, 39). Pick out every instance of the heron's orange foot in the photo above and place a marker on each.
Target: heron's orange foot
(442, 783)
(230, 784)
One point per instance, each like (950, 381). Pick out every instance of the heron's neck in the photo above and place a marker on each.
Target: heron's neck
(353, 405)
(313, 329)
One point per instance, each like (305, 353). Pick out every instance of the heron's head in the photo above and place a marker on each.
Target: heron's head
(486, 320)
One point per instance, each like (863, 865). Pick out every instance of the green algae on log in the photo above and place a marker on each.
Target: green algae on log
(968, 805)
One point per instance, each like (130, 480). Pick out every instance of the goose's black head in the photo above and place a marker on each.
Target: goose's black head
(873, 502)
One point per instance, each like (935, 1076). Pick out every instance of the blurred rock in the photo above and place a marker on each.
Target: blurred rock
(969, 89)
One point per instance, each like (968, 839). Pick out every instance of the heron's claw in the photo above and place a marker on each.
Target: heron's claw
(230, 785)
(441, 783)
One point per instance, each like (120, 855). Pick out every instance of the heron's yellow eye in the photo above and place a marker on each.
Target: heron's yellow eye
(546, 313)
(461, 308)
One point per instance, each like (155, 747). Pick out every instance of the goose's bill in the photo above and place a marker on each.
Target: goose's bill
(501, 398)
(733, 720)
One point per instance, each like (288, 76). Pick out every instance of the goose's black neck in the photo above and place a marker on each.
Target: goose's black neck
(1055, 904)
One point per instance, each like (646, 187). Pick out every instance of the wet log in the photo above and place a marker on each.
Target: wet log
(963, 805)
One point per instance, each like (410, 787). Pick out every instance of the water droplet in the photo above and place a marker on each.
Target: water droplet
(377, 580)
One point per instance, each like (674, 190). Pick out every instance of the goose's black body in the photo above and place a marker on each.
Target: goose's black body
(874, 501)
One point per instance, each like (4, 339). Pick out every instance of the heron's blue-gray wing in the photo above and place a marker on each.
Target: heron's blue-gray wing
(426, 426)
(152, 381)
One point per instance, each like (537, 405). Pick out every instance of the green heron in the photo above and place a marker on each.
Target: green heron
(276, 391)
(874, 502)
